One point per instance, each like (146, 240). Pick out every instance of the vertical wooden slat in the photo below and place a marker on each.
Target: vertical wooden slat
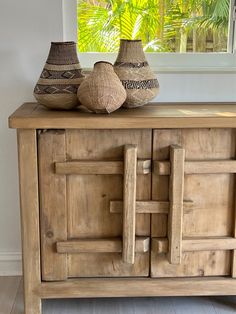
(233, 262)
(129, 210)
(176, 191)
(28, 179)
(233, 266)
(53, 213)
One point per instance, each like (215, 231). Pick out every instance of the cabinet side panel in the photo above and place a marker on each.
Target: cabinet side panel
(89, 199)
(53, 215)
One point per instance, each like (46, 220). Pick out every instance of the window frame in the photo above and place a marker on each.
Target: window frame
(161, 62)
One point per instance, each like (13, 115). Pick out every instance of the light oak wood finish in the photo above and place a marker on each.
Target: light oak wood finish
(148, 207)
(233, 262)
(198, 167)
(53, 211)
(176, 194)
(212, 195)
(86, 288)
(99, 167)
(29, 203)
(81, 213)
(199, 244)
(129, 203)
(152, 116)
(195, 305)
(88, 215)
(100, 246)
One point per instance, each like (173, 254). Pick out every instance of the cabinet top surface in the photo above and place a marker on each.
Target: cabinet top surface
(154, 115)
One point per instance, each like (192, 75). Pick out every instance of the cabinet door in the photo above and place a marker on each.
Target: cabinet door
(90, 184)
(193, 233)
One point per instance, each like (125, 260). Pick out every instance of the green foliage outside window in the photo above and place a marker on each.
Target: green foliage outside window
(163, 25)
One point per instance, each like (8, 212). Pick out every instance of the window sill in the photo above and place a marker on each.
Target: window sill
(203, 70)
(173, 63)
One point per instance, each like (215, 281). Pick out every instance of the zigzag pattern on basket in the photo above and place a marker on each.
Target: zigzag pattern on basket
(71, 74)
(147, 84)
(56, 89)
(131, 65)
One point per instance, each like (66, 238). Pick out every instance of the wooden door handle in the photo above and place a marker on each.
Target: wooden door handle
(176, 193)
(129, 203)
(112, 245)
(91, 167)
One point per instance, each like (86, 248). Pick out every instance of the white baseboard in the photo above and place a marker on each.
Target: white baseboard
(10, 264)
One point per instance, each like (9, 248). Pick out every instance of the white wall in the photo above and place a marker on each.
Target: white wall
(26, 29)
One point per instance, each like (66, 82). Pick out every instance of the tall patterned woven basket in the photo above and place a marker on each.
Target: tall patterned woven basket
(61, 76)
(135, 74)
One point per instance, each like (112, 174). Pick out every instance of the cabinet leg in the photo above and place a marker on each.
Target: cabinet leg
(29, 199)
(33, 305)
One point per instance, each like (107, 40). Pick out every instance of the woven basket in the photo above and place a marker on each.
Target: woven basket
(102, 91)
(135, 74)
(61, 76)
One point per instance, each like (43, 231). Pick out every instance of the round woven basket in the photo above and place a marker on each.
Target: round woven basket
(135, 74)
(61, 76)
(102, 90)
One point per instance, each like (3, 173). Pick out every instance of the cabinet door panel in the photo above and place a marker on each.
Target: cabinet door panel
(211, 263)
(88, 198)
(210, 213)
(53, 209)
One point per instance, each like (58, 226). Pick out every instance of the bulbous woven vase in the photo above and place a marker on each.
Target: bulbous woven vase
(102, 90)
(61, 76)
(135, 74)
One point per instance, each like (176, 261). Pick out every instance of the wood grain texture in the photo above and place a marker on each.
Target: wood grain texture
(166, 305)
(212, 195)
(100, 246)
(99, 167)
(198, 167)
(89, 214)
(89, 218)
(176, 194)
(86, 288)
(213, 305)
(197, 244)
(129, 203)
(53, 214)
(149, 207)
(162, 140)
(194, 264)
(29, 202)
(154, 115)
(233, 262)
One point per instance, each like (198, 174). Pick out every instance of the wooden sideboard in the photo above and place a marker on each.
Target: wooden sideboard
(133, 204)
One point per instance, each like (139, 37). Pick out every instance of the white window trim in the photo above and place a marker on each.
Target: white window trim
(160, 62)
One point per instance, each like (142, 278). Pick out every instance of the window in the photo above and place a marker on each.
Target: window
(178, 35)
(163, 25)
